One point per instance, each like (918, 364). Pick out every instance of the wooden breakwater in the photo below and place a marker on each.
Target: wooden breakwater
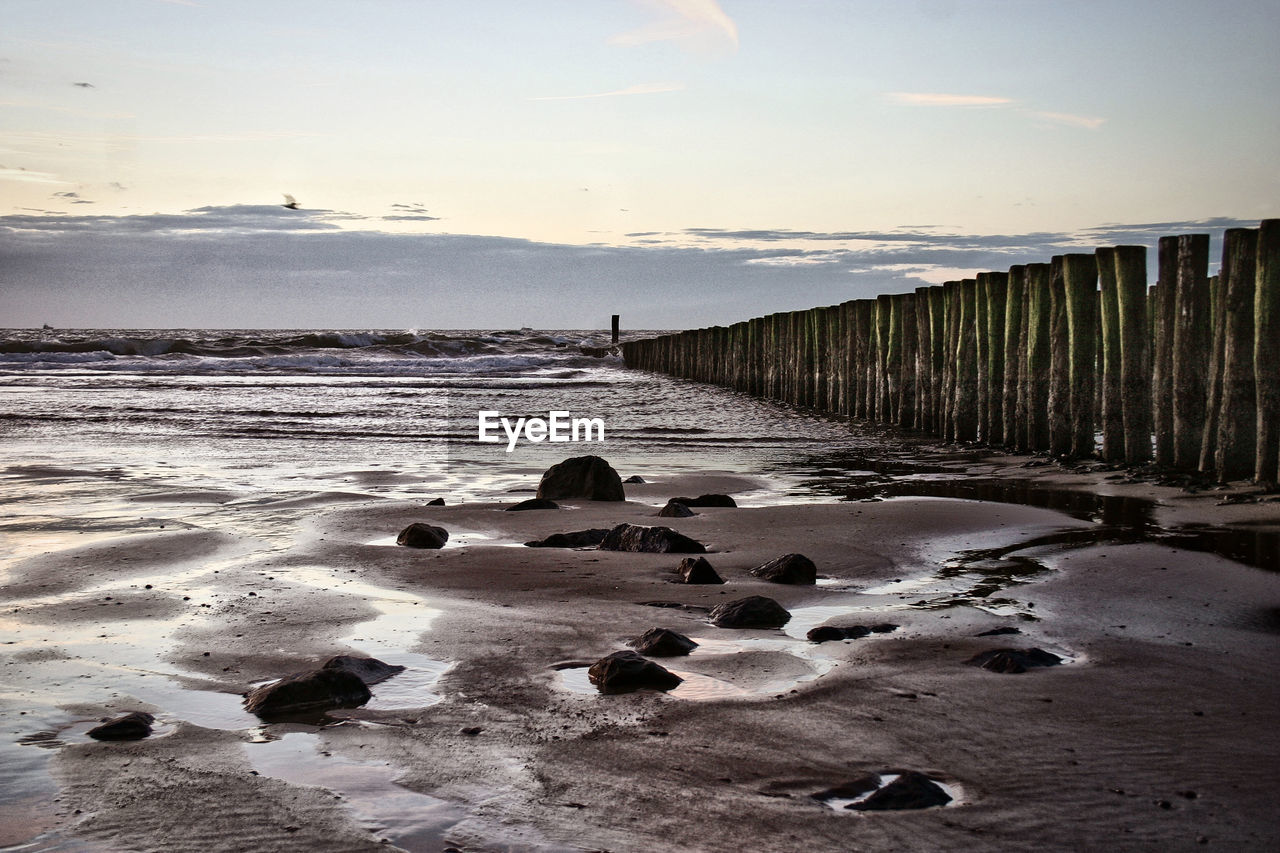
(1042, 357)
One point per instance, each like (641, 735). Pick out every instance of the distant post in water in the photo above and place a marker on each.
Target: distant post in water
(615, 328)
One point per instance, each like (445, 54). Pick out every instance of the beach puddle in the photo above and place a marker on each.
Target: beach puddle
(395, 814)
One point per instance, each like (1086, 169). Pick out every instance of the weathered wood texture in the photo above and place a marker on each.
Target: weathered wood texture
(1040, 358)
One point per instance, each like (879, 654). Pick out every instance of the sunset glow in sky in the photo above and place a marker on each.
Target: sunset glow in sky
(548, 162)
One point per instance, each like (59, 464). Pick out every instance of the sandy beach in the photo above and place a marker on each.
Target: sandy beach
(1159, 730)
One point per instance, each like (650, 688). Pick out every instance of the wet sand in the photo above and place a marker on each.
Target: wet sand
(1159, 731)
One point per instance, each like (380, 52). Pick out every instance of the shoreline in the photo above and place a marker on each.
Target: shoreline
(554, 769)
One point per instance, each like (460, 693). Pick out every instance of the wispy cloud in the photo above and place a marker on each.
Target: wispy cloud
(938, 99)
(1089, 122)
(701, 23)
(639, 89)
(28, 177)
(73, 198)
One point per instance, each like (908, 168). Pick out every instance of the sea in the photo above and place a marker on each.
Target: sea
(271, 411)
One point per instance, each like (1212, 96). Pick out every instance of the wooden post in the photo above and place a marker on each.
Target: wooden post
(884, 311)
(938, 354)
(1014, 339)
(1080, 281)
(1213, 376)
(966, 415)
(924, 362)
(906, 305)
(997, 289)
(1266, 351)
(982, 358)
(1165, 310)
(1191, 343)
(1135, 351)
(954, 294)
(1236, 449)
(1112, 396)
(1060, 433)
(615, 328)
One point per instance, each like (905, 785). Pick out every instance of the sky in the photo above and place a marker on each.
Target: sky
(548, 163)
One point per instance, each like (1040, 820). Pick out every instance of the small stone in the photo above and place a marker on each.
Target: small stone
(436, 502)
(368, 670)
(650, 540)
(674, 509)
(1013, 661)
(789, 569)
(911, 790)
(134, 725)
(622, 672)
(577, 539)
(754, 611)
(422, 535)
(696, 570)
(634, 479)
(533, 503)
(707, 500)
(662, 643)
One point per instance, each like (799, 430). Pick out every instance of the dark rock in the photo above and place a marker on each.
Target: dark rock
(420, 535)
(911, 790)
(634, 478)
(587, 477)
(997, 632)
(576, 539)
(134, 725)
(883, 628)
(436, 502)
(850, 790)
(533, 503)
(825, 633)
(624, 671)
(789, 568)
(754, 611)
(697, 570)
(369, 670)
(707, 500)
(317, 690)
(675, 510)
(1013, 661)
(650, 540)
(471, 731)
(662, 643)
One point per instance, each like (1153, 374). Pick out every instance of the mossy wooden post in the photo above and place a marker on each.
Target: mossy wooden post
(1191, 344)
(1266, 352)
(906, 303)
(834, 348)
(967, 363)
(1080, 282)
(811, 372)
(1059, 363)
(861, 328)
(1112, 394)
(1164, 310)
(1040, 354)
(1014, 339)
(1236, 449)
(938, 354)
(924, 362)
(1135, 351)
(1213, 376)
(997, 291)
(982, 357)
(884, 312)
(954, 300)
(893, 359)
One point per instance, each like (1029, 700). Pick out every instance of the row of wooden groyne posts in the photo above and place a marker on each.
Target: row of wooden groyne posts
(1043, 357)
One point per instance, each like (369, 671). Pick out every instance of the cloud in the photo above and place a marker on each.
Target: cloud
(29, 177)
(73, 198)
(1089, 122)
(699, 23)
(640, 89)
(261, 265)
(409, 212)
(933, 99)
